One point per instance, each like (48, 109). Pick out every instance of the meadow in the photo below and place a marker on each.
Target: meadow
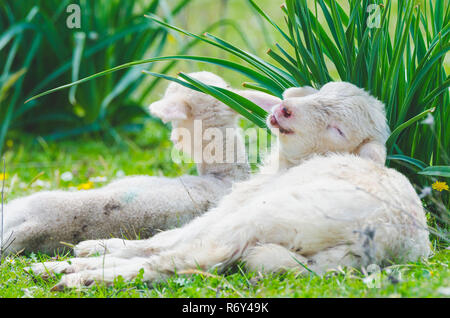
(87, 135)
(149, 153)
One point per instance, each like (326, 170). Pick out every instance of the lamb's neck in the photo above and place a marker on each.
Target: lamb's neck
(278, 162)
(233, 166)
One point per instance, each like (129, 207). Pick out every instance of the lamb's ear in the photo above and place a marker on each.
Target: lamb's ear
(299, 92)
(373, 150)
(261, 99)
(169, 110)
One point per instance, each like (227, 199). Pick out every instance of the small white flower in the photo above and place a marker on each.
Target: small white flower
(368, 280)
(41, 184)
(444, 291)
(93, 35)
(425, 192)
(120, 174)
(29, 292)
(67, 176)
(98, 179)
(429, 120)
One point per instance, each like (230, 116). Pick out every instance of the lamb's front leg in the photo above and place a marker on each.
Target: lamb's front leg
(204, 243)
(103, 247)
(87, 271)
(161, 241)
(125, 250)
(48, 269)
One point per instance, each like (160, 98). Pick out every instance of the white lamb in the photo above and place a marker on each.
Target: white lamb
(139, 204)
(316, 211)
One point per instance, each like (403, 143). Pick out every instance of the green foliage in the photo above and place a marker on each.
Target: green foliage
(422, 279)
(38, 51)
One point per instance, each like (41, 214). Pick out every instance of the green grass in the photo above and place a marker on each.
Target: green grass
(427, 279)
(149, 153)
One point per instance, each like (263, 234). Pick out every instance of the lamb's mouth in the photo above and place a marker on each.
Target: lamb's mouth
(274, 123)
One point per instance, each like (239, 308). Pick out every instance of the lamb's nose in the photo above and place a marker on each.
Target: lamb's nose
(286, 112)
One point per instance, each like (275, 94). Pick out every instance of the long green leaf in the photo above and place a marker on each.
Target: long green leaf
(436, 171)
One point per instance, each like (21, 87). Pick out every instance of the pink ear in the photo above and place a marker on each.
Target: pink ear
(374, 151)
(169, 110)
(261, 99)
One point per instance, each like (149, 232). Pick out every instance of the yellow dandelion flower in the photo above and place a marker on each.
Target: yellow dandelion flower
(171, 39)
(86, 186)
(440, 186)
(9, 143)
(3, 176)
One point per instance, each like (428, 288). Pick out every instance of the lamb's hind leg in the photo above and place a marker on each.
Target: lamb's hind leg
(127, 248)
(128, 271)
(276, 258)
(337, 256)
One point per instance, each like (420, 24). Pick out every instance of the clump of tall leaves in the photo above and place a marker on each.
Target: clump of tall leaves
(394, 50)
(39, 51)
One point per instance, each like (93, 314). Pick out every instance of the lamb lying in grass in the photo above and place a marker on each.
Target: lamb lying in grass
(139, 204)
(317, 211)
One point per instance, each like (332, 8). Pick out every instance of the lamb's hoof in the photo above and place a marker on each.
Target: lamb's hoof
(69, 281)
(76, 280)
(48, 270)
(35, 277)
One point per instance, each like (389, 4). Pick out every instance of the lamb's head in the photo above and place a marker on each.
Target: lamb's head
(339, 118)
(185, 108)
(181, 105)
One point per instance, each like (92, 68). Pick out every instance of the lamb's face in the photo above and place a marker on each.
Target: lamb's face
(338, 118)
